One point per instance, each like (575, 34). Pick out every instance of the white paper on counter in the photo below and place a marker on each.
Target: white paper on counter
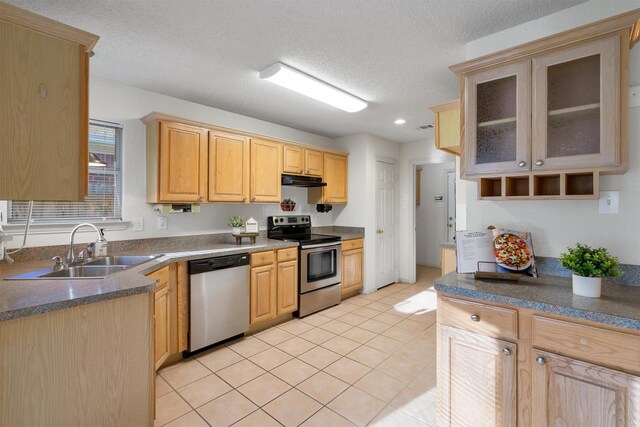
(473, 247)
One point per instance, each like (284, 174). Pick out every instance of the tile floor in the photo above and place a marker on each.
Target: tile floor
(369, 361)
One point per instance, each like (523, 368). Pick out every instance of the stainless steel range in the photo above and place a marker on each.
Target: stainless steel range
(320, 274)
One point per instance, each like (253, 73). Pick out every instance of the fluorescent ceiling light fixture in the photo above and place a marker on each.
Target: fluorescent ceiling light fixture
(297, 81)
(400, 121)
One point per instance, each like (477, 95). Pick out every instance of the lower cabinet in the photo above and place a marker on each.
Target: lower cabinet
(352, 265)
(448, 259)
(274, 284)
(476, 379)
(556, 372)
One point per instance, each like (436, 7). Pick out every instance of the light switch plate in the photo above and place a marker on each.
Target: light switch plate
(138, 224)
(163, 222)
(634, 96)
(609, 203)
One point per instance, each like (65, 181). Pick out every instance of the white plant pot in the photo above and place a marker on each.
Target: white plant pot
(587, 286)
(236, 230)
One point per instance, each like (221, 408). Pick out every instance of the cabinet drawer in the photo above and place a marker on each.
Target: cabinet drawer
(288, 254)
(162, 276)
(481, 318)
(347, 245)
(262, 258)
(598, 345)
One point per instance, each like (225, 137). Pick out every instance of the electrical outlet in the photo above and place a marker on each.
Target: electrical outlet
(609, 202)
(138, 224)
(163, 222)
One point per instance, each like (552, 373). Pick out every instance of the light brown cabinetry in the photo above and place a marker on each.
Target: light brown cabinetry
(313, 162)
(418, 187)
(274, 284)
(448, 259)
(177, 163)
(228, 168)
(476, 379)
(544, 119)
(301, 161)
(447, 126)
(161, 316)
(335, 174)
(352, 266)
(266, 167)
(44, 96)
(569, 372)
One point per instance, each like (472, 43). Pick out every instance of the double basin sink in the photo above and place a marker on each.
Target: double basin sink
(97, 268)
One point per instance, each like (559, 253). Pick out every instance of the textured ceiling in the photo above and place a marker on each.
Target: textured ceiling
(392, 53)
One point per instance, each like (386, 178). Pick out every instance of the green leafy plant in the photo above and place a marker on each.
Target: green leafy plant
(236, 221)
(590, 262)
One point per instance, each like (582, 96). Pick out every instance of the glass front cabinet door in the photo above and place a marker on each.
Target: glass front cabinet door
(498, 120)
(576, 111)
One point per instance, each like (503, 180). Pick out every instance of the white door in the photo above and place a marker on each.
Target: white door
(386, 269)
(451, 205)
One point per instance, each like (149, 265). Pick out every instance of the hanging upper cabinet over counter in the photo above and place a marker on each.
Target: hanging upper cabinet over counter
(44, 130)
(539, 115)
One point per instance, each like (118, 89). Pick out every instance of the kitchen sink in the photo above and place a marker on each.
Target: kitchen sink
(84, 271)
(126, 260)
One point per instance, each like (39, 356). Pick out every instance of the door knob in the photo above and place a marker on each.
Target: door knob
(539, 162)
(522, 164)
(450, 225)
(379, 231)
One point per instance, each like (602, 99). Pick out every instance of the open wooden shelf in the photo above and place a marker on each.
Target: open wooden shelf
(580, 184)
(546, 185)
(517, 186)
(490, 187)
(532, 186)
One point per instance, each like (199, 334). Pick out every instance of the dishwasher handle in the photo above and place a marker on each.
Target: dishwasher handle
(218, 263)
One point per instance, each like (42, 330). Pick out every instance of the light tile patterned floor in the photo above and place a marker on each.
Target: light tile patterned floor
(369, 361)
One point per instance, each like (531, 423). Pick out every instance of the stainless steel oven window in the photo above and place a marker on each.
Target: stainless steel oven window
(321, 265)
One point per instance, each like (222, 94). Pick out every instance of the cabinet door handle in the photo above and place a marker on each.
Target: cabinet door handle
(475, 317)
(540, 360)
(244, 199)
(539, 163)
(522, 164)
(253, 199)
(506, 351)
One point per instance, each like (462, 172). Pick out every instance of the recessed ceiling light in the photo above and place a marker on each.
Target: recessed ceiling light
(400, 121)
(297, 81)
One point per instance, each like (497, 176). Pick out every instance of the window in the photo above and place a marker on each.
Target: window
(104, 201)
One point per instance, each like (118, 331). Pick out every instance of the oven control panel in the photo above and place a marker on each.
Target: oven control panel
(290, 220)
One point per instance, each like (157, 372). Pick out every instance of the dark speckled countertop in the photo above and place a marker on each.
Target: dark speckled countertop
(20, 298)
(619, 305)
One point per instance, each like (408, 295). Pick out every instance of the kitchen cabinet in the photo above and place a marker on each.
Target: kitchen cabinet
(448, 259)
(313, 162)
(301, 161)
(335, 174)
(476, 379)
(418, 186)
(228, 168)
(274, 284)
(566, 371)
(266, 167)
(571, 392)
(44, 96)
(447, 126)
(543, 120)
(352, 266)
(161, 316)
(177, 163)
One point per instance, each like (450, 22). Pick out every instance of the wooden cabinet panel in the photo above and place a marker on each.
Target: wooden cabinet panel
(484, 319)
(447, 126)
(266, 167)
(448, 256)
(476, 379)
(313, 162)
(182, 164)
(418, 186)
(43, 98)
(263, 293)
(287, 254)
(287, 287)
(161, 318)
(352, 270)
(348, 245)
(258, 259)
(293, 160)
(335, 174)
(183, 304)
(568, 392)
(602, 346)
(228, 168)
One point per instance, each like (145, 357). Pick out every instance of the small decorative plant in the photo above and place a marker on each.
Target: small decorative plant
(236, 221)
(590, 262)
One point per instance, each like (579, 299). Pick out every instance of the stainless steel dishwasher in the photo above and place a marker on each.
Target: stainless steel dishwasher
(219, 299)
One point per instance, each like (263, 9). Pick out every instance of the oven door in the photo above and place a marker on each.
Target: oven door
(320, 266)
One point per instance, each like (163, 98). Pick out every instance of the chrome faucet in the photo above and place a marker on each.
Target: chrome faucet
(70, 255)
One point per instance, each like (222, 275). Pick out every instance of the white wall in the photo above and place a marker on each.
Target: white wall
(431, 216)
(123, 104)
(412, 154)
(364, 151)
(558, 224)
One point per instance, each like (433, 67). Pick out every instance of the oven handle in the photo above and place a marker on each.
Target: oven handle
(321, 245)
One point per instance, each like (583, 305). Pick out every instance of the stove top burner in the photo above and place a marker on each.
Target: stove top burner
(296, 228)
(310, 239)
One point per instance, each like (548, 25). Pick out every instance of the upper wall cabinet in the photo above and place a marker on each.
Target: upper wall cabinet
(447, 126)
(335, 174)
(300, 161)
(555, 105)
(266, 167)
(44, 125)
(313, 162)
(228, 168)
(176, 163)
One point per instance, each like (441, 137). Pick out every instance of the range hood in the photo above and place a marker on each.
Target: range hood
(302, 181)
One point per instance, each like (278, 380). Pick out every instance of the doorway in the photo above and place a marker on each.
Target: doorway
(386, 263)
(435, 205)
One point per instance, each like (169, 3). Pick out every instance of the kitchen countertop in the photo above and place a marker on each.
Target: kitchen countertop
(448, 245)
(345, 233)
(20, 298)
(619, 305)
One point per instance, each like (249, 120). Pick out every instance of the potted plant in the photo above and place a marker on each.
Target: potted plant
(236, 223)
(589, 266)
